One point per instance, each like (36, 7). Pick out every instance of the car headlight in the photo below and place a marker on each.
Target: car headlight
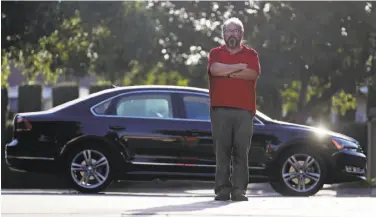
(341, 144)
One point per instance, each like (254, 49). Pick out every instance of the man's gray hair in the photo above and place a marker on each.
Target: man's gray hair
(232, 20)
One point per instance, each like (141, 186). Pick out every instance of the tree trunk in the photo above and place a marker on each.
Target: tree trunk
(303, 93)
(306, 111)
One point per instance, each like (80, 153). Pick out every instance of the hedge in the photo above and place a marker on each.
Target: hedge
(371, 97)
(97, 87)
(64, 93)
(6, 137)
(30, 98)
(357, 131)
(4, 111)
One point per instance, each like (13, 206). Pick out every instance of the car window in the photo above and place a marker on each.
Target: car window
(146, 105)
(197, 107)
(102, 108)
(256, 121)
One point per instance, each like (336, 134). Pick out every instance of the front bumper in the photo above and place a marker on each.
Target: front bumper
(348, 166)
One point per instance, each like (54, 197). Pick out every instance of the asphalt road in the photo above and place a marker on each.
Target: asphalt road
(173, 198)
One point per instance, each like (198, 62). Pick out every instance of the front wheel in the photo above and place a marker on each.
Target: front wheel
(90, 169)
(299, 172)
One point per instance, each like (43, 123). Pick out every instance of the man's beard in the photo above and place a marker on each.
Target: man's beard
(232, 42)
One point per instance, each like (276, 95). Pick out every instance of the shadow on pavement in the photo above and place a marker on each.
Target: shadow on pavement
(152, 189)
(197, 206)
(116, 194)
(204, 193)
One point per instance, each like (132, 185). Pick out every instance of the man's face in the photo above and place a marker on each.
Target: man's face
(233, 35)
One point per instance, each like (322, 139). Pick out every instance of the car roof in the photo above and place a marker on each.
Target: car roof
(116, 89)
(164, 87)
(137, 88)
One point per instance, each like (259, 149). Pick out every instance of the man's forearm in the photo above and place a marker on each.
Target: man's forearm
(246, 74)
(220, 69)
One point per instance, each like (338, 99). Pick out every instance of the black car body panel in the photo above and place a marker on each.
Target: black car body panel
(172, 139)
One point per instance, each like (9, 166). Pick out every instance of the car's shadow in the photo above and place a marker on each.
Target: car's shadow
(154, 188)
(190, 207)
(183, 189)
(16, 182)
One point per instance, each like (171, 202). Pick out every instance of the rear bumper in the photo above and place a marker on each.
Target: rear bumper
(16, 160)
(348, 166)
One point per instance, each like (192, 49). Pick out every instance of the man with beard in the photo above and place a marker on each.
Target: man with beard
(233, 70)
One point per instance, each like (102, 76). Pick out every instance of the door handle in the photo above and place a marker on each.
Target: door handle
(117, 128)
(193, 132)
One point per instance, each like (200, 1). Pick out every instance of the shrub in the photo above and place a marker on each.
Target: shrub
(357, 131)
(371, 103)
(30, 98)
(64, 93)
(6, 136)
(98, 87)
(4, 112)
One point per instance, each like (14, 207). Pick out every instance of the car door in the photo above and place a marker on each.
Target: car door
(144, 123)
(197, 113)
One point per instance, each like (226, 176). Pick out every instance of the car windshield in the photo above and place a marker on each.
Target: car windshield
(263, 116)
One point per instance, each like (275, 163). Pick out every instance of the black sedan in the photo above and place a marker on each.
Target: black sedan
(148, 132)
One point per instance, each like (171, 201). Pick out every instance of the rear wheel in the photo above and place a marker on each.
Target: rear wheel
(90, 168)
(299, 172)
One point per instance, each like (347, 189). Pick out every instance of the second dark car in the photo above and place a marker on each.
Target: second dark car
(147, 132)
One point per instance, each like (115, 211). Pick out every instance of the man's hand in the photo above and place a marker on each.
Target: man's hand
(221, 69)
(241, 65)
(245, 74)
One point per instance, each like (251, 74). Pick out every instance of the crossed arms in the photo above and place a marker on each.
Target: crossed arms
(239, 71)
(246, 71)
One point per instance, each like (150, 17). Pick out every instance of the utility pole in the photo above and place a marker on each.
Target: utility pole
(371, 146)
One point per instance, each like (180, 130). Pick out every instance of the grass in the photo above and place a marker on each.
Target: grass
(371, 182)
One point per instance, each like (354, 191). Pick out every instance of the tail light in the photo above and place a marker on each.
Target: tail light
(22, 124)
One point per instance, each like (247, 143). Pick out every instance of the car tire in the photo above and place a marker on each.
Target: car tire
(305, 182)
(92, 164)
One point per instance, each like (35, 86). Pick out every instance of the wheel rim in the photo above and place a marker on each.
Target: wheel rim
(301, 172)
(90, 168)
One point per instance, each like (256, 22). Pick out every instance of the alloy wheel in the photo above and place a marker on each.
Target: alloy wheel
(90, 169)
(301, 172)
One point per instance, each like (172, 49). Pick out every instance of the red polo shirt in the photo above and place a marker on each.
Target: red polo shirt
(233, 92)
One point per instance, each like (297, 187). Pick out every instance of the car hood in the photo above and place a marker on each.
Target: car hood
(313, 130)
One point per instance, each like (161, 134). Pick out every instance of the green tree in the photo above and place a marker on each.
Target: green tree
(6, 60)
(131, 35)
(71, 49)
(25, 22)
(333, 47)
(314, 55)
